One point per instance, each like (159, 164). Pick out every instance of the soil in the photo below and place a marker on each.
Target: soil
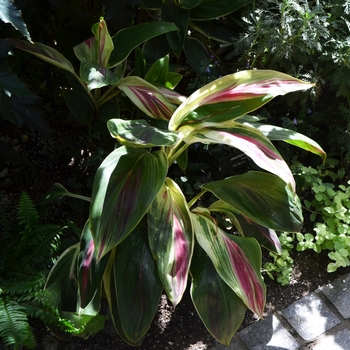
(51, 160)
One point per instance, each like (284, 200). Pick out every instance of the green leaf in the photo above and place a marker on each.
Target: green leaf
(158, 73)
(171, 238)
(180, 17)
(129, 38)
(275, 133)
(10, 14)
(237, 260)
(262, 197)
(189, 4)
(211, 9)
(132, 286)
(248, 140)
(125, 185)
(95, 75)
(218, 306)
(258, 86)
(44, 52)
(138, 133)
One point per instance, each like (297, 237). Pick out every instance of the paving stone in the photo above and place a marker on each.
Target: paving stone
(339, 341)
(268, 334)
(310, 317)
(338, 292)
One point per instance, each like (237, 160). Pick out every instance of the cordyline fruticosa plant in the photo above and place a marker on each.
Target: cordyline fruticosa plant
(143, 237)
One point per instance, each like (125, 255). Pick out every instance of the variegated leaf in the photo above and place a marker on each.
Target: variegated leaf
(170, 238)
(104, 42)
(236, 259)
(125, 185)
(261, 197)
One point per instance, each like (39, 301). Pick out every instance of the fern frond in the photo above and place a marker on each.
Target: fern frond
(27, 214)
(14, 325)
(23, 284)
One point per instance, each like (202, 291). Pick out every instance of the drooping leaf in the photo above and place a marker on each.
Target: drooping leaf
(262, 197)
(276, 133)
(125, 185)
(218, 306)
(237, 260)
(44, 52)
(147, 97)
(95, 75)
(248, 228)
(10, 14)
(138, 133)
(170, 238)
(129, 38)
(248, 140)
(90, 271)
(260, 86)
(132, 286)
(211, 9)
(179, 16)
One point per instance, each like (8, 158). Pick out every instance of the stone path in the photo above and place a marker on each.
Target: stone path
(318, 321)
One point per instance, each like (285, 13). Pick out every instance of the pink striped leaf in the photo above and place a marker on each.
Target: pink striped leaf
(276, 133)
(170, 238)
(132, 286)
(218, 306)
(138, 133)
(125, 185)
(262, 198)
(258, 86)
(248, 228)
(236, 259)
(248, 140)
(147, 97)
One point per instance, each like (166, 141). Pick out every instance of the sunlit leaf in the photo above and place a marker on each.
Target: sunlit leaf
(104, 42)
(170, 238)
(237, 260)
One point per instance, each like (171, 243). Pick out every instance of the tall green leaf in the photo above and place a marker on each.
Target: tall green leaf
(124, 187)
(170, 238)
(218, 306)
(132, 286)
(129, 38)
(262, 197)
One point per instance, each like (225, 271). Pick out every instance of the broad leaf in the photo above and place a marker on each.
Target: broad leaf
(262, 197)
(44, 52)
(125, 185)
(132, 286)
(211, 9)
(138, 133)
(179, 16)
(10, 14)
(170, 238)
(237, 260)
(218, 306)
(189, 4)
(248, 228)
(259, 85)
(275, 133)
(158, 73)
(248, 140)
(147, 97)
(95, 75)
(128, 39)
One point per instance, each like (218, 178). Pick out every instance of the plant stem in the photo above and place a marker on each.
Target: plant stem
(195, 198)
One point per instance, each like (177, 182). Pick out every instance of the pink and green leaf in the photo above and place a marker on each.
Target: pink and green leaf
(87, 50)
(125, 185)
(132, 286)
(138, 133)
(218, 306)
(276, 133)
(248, 140)
(237, 260)
(104, 42)
(262, 198)
(248, 228)
(147, 97)
(260, 86)
(170, 238)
